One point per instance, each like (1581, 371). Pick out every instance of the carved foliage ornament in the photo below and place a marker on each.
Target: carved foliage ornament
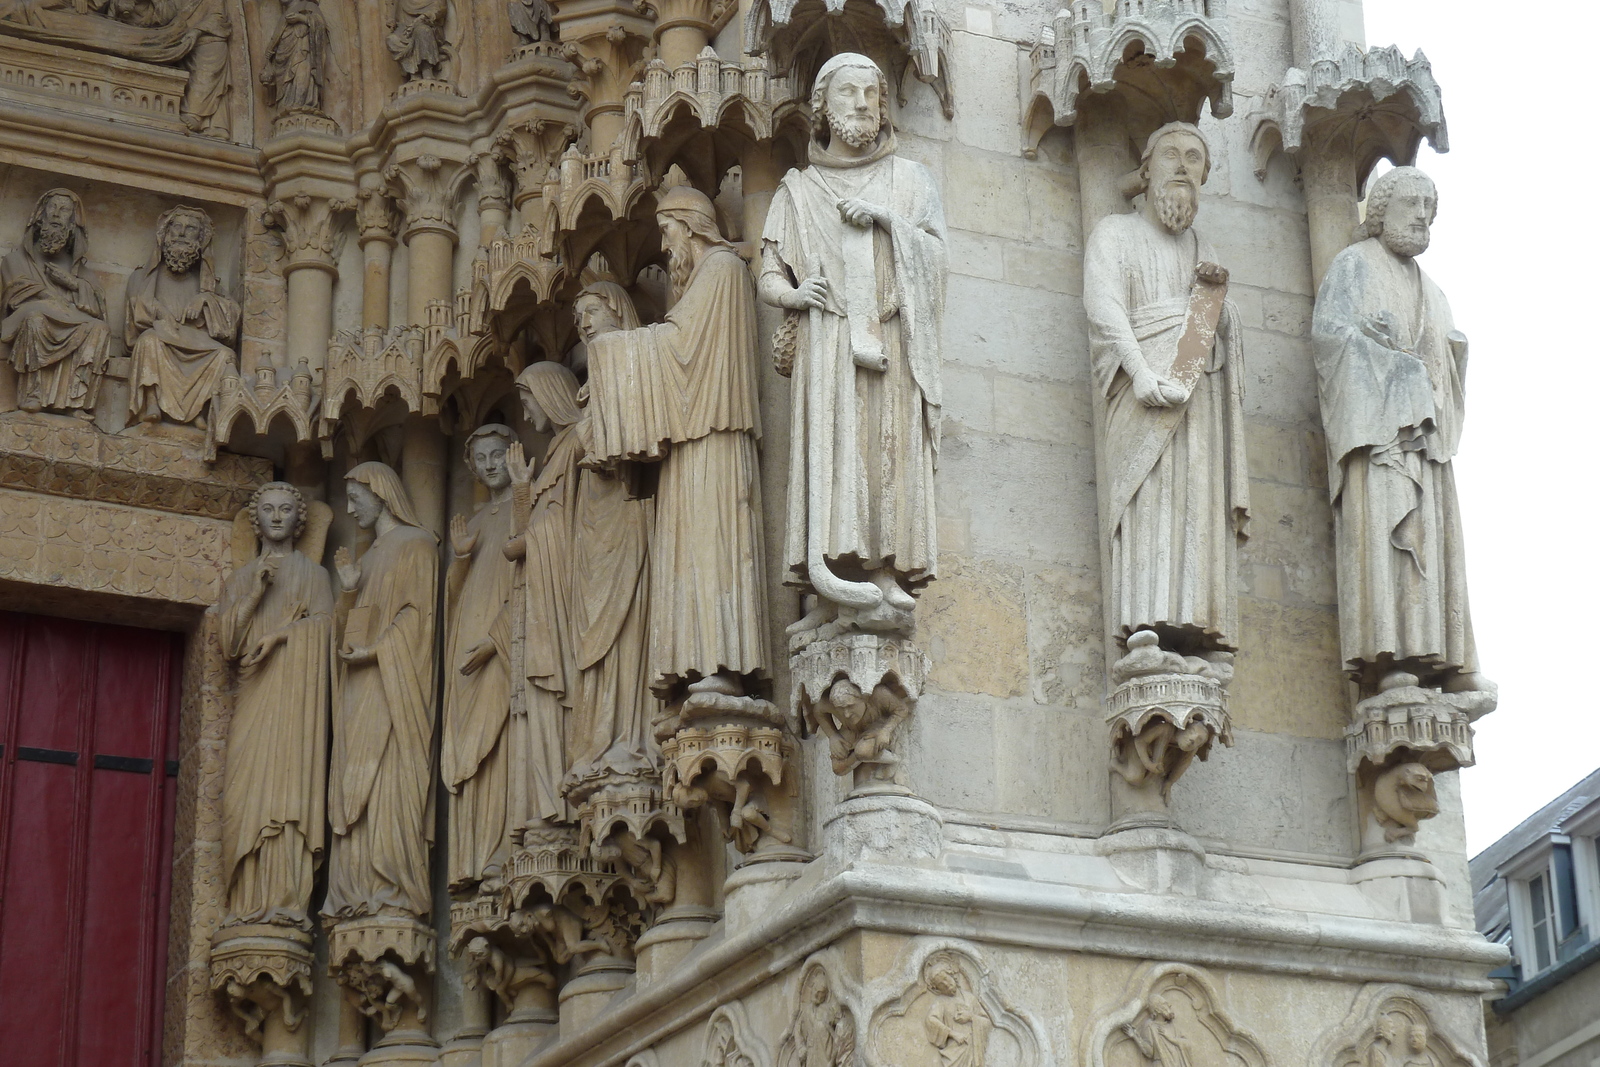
(942, 1007)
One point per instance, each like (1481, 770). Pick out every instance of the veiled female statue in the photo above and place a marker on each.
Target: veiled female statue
(380, 787)
(276, 619)
(610, 733)
(546, 510)
(477, 682)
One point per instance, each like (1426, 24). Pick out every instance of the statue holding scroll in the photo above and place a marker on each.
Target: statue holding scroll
(854, 248)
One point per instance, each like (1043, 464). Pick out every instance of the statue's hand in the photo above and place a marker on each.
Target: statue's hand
(810, 293)
(266, 572)
(349, 574)
(521, 470)
(357, 656)
(477, 656)
(1148, 388)
(462, 541)
(861, 213)
(263, 648)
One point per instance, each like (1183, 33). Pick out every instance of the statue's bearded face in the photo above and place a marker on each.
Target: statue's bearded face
(182, 243)
(55, 225)
(595, 316)
(489, 462)
(1173, 174)
(1408, 219)
(853, 106)
(675, 238)
(277, 514)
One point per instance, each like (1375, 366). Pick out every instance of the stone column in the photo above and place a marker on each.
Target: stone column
(494, 198)
(759, 178)
(375, 217)
(1328, 176)
(683, 29)
(609, 38)
(1100, 141)
(310, 236)
(1314, 28)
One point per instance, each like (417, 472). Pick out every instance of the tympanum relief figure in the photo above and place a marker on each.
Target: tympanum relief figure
(1166, 359)
(1391, 371)
(55, 312)
(181, 324)
(380, 774)
(854, 251)
(416, 38)
(474, 753)
(294, 69)
(276, 619)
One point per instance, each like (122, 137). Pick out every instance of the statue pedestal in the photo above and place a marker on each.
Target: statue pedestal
(882, 828)
(751, 890)
(1156, 859)
(268, 966)
(673, 937)
(588, 992)
(525, 1029)
(403, 1045)
(1403, 884)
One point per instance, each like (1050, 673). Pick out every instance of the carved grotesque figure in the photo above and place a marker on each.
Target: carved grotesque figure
(181, 326)
(294, 68)
(683, 392)
(854, 247)
(416, 38)
(474, 754)
(380, 785)
(1391, 369)
(1167, 370)
(861, 729)
(1402, 797)
(276, 615)
(54, 311)
(531, 20)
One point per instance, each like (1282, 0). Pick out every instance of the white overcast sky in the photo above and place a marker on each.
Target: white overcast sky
(1517, 260)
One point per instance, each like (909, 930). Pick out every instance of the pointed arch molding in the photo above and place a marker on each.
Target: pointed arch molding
(1199, 1018)
(1380, 1030)
(941, 995)
(730, 1041)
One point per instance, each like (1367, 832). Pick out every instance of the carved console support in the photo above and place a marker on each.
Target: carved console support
(385, 966)
(263, 973)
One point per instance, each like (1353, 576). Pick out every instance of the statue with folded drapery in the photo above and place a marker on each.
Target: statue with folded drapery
(294, 70)
(416, 37)
(546, 508)
(683, 393)
(276, 622)
(474, 753)
(54, 321)
(380, 785)
(181, 325)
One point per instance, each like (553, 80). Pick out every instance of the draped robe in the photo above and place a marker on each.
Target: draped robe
(549, 678)
(863, 443)
(273, 788)
(58, 337)
(477, 706)
(380, 795)
(182, 354)
(688, 385)
(1177, 488)
(610, 612)
(1393, 418)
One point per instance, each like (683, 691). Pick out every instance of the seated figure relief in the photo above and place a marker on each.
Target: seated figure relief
(54, 328)
(181, 325)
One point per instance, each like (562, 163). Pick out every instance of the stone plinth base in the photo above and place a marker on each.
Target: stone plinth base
(883, 828)
(1403, 884)
(673, 937)
(510, 1043)
(750, 891)
(586, 995)
(1156, 859)
(407, 1047)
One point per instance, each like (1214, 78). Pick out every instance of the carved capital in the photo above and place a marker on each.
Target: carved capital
(310, 228)
(532, 148)
(375, 215)
(383, 963)
(261, 969)
(425, 189)
(494, 190)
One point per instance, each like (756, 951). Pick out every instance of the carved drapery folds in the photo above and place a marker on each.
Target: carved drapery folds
(294, 69)
(942, 1007)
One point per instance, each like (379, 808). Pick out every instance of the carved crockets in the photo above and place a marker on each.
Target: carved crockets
(1166, 360)
(54, 321)
(1391, 371)
(854, 251)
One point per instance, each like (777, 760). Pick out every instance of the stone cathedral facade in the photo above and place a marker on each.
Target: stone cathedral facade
(676, 533)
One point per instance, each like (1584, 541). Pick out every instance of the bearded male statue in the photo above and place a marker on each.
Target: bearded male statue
(54, 325)
(1390, 372)
(854, 249)
(1167, 372)
(181, 326)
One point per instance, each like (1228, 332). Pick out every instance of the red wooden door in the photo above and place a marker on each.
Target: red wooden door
(88, 717)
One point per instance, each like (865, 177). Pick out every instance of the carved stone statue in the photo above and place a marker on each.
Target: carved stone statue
(181, 325)
(531, 21)
(190, 33)
(276, 616)
(1176, 500)
(416, 38)
(474, 755)
(823, 1032)
(380, 785)
(1391, 369)
(546, 507)
(1158, 1037)
(293, 69)
(957, 1023)
(54, 325)
(683, 392)
(854, 247)
(611, 588)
